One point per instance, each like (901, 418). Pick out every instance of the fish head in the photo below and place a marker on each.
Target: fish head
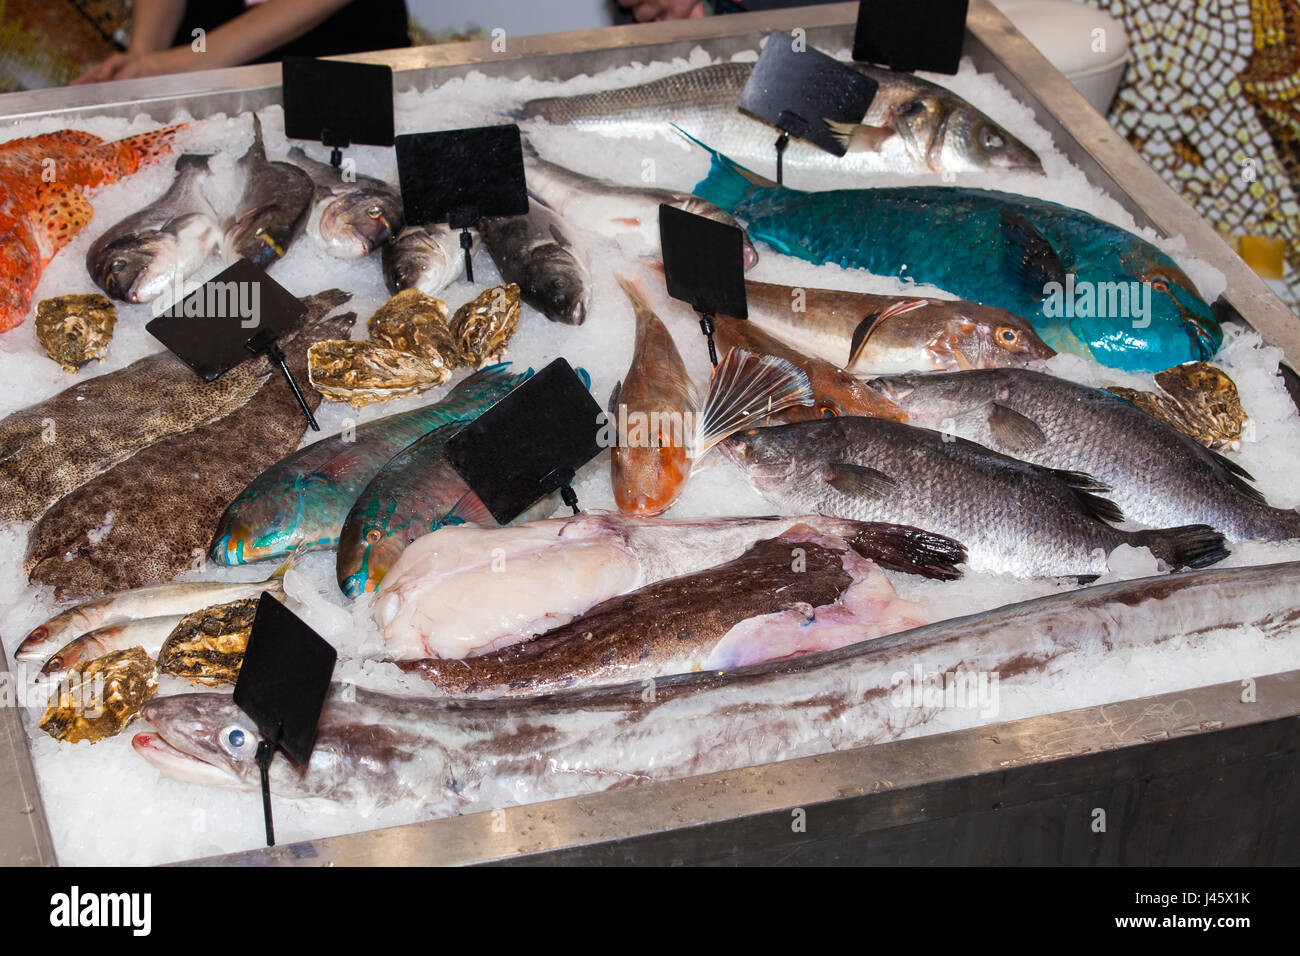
(1002, 338)
(262, 235)
(354, 225)
(767, 456)
(948, 135)
(259, 527)
(1170, 325)
(417, 261)
(138, 268)
(561, 282)
(702, 207)
(201, 738)
(367, 551)
(651, 463)
(84, 648)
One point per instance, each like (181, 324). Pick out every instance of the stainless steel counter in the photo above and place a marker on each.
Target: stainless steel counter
(976, 793)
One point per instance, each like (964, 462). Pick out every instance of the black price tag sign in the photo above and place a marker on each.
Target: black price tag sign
(704, 266)
(337, 103)
(530, 443)
(911, 34)
(798, 89)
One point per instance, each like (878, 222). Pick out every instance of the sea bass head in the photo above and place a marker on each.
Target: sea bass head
(560, 281)
(422, 257)
(357, 223)
(950, 136)
(769, 457)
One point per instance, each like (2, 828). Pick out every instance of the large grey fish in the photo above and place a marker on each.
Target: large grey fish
(272, 210)
(149, 518)
(912, 126)
(795, 594)
(465, 754)
(427, 258)
(536, 252)
(155, 250)
(615, 211)
(1156, 474)
(446, 596)
(349, 218)
(50, 448)
(1013, 517)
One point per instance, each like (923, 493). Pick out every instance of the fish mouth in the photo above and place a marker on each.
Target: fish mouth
(178, 764)
(35, 645)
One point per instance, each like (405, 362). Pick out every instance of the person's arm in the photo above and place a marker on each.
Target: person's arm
(251, 34)
(647, 10)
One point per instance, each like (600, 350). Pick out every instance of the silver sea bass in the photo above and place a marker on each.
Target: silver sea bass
(912, 126)
(466, 755)
(1157, 475)
(1013, 517)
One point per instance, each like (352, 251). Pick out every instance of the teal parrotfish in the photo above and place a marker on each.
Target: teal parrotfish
(300, 503)
(1088, 286)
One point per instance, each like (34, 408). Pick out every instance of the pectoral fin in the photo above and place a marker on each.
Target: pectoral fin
(1029, 257)
(858, 481)
(858, 137)
(1014, 431)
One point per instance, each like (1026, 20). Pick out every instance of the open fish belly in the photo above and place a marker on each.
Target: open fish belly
(455, 754)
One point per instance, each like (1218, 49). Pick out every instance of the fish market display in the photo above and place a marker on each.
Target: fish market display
(207, 647)
(153, 251)
(362, 373)
(40, 213)
(864, 333)
(146, 632)
(150, 518)
(1197, 399)
(272, 210)
(413, 494)
(485, 324)
(98, 698)
(1088, 286)
(1158, 476)
(349, 219)
(299, 503)
(447, 596)
(428, 258)
(535, 252)
(454, 755)
(1013, 517)
(75, 329)
(55, 446)
(416, 323)
(136, 605)
(912, 125)
(787, 596)
(617, 212)
(834, 391)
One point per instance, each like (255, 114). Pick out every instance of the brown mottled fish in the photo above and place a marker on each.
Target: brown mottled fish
(51, 448)
(151, 517)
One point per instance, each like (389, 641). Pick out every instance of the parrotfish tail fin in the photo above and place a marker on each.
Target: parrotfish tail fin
(491, 376)
(1189, 546)
(143, 149)
(585, 377)
(1087, 492)
(899, 547)
(728, 184)
(862, 334)
(744, 390)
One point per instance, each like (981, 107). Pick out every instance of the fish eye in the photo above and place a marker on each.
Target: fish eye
(827, 411)
(373, 535)
(992, 139)
(1160, 285)
(374, 212)
(912, 108)
(1008, 336)
(234, 740)
(117, 265)
(260, 231)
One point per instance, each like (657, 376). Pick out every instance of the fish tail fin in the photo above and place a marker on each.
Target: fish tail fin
(743, 391)
(1189, 546)
(289, 563)
(635, 291)
(135, 152)
(898, 547)
(728, 184)
(493, 376)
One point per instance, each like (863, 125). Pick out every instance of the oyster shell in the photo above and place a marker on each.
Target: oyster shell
(415, 323)
(96, 699)
(1196, 398)
(207, 647)
(484, 324)
(75, 329)
(361, 373)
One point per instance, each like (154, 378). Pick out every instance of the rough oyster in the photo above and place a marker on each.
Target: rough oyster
(415, 323)
(361, 373)
(74, 329)
(484, 324)
(1196, 398)
(96, 699)
(207, 647)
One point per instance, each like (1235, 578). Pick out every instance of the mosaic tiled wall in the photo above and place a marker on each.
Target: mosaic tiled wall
(1212, 100)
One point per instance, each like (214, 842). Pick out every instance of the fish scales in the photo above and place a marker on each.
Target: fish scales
(160, 505)
(464, 754)
(53, 447)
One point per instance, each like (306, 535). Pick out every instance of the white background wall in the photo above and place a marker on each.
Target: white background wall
(519, 17)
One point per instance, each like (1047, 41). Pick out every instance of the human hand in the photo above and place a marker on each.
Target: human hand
(646, 11)
(125, 66)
